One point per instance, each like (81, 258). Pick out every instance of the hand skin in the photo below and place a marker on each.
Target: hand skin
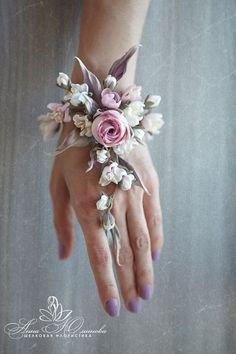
(75, 193)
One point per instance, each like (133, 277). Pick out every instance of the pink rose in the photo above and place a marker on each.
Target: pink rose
(110, 99)
(110, 128)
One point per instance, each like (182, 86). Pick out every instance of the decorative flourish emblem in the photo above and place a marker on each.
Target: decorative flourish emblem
(59, 319)
(56, 323)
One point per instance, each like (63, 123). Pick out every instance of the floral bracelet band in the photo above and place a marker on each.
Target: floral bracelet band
(112, 122)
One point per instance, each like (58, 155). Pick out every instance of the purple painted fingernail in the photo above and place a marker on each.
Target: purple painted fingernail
(146, 292)
(112, 307)
(156, 255)
(135, 305)
(61, 251)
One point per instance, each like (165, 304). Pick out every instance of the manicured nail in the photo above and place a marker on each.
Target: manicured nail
(156, 255)
(146, 292)
(135, 305)
(61, 251)
(112, 307)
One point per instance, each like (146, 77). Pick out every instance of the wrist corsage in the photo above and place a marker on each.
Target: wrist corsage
(112, 122)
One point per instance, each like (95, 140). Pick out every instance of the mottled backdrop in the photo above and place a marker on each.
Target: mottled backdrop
(188, 56)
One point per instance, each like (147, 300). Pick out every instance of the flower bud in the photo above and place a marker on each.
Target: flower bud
(152, 101)
(103, 202)
(126, 182)
(110, 82)
(102, 155)
(108, 220)
(63, 80)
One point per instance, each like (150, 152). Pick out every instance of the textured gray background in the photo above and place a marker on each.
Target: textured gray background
(188, 56)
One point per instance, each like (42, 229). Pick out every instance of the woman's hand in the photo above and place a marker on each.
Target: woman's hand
(138, 217)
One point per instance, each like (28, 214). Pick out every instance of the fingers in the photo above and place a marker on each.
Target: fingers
(97, 247)
(153, 214)
(125, 272)
(101, 263)
(63, 215)
(140, 243)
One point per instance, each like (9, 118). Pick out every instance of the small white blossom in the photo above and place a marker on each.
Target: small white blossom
(82, 122)
(103, 202)
(153, 122)
(63, 80)
(102, 155)
(152, 101)
(126, 182)
(139, 133)
(126, 147)
(78, 94)
(110, 82)
(112, 173)
(132, 93)
(134, 112)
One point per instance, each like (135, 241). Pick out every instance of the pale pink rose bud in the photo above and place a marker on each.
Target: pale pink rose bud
(110, 99)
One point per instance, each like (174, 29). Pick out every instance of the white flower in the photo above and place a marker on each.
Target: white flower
(110, 82)
(153, 122)
(59, 112)
(111, 173)
(126, 182)
(139, 133)
(78, 94)
(126, 147)
(133, 112)
(76, 88)
(132, 93)
(63, 80)
(102, 155)
(103, 202)
(82, 122)
(152, 101)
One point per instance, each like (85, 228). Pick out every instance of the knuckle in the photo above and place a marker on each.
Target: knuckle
(155, 220)
(141, 242)
(108, 287)
(145, 274)
(99, 256)
(126, 256)
(153, 185)
(151, 179)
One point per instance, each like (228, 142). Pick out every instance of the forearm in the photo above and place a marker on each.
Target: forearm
(108, 29)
